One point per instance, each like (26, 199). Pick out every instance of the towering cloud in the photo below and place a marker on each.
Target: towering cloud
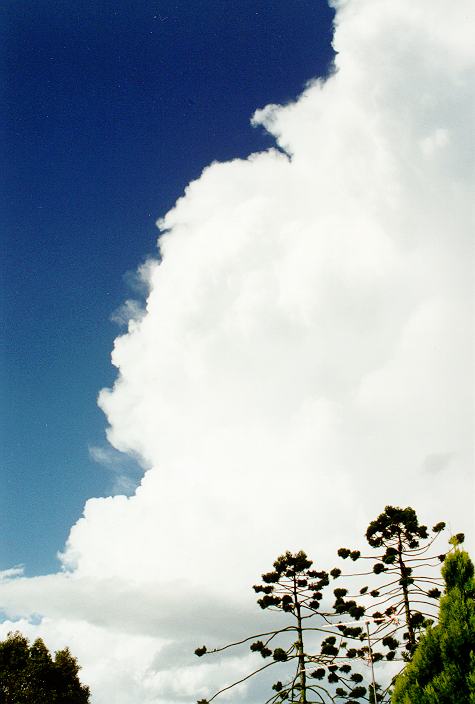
(305, 356)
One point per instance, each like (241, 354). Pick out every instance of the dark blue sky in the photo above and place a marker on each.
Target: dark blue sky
(111, 109)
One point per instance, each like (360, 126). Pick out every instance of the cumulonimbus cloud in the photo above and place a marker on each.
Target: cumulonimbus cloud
(305, 353)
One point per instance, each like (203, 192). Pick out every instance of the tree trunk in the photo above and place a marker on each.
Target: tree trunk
(405, 591)
(301, 654)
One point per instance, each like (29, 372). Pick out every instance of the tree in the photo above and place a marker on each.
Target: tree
(293, 588)
(382, 620)
(405, 592)
(30, 674)
(442, 669)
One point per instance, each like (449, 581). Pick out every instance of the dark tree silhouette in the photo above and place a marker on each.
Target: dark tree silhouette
(403, 592)
(332, 653)
(293, 588)
(29, 674)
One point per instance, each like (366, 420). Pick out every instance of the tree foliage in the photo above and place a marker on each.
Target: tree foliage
(293, 588)
(403, 589)
(28, 673)
(332, 653)
(443, 666)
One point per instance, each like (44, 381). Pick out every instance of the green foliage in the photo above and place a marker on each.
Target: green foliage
(443, 666)
(29, 674)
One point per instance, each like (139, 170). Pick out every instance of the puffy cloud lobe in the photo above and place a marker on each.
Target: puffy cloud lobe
(305, 354)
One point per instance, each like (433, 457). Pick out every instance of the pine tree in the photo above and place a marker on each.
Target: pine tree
(443, 666)
(403, 592)
(400, 598)
(294, 588)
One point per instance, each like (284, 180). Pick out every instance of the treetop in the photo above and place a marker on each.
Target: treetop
(396, 523)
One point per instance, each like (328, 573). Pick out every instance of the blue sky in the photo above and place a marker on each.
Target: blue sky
(112, 108)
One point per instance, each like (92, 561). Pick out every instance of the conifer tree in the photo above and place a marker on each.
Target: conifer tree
(293, 588)
(400, 598)
(442, 669)
(403, 592)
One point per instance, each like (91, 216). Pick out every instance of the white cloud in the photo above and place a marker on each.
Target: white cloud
(125, 470)
(11, 572)
(130, 310)
(305, 354)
